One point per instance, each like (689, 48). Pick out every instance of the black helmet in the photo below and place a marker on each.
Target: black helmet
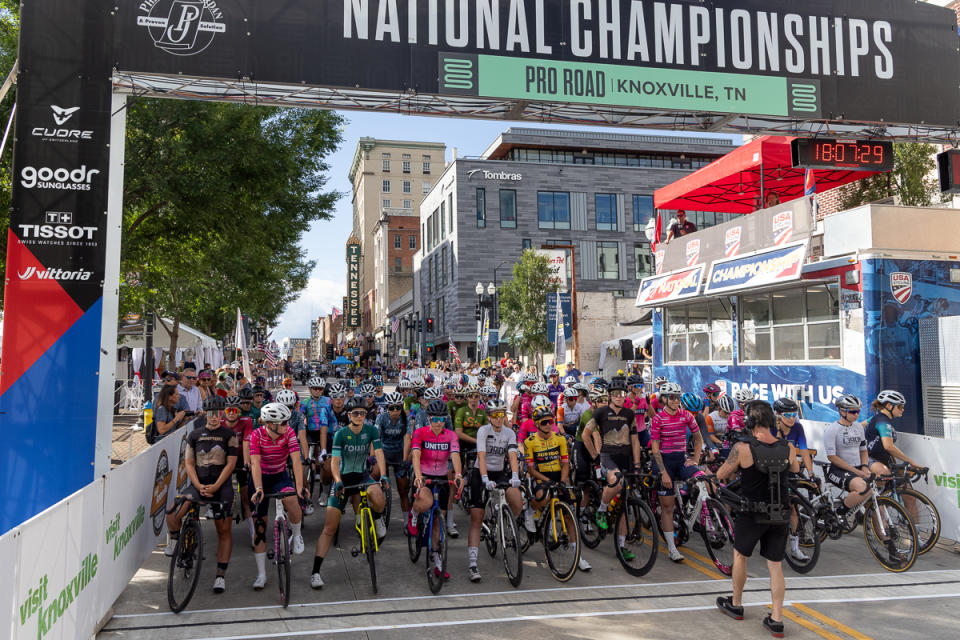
(617, 383)
(542, 412)
(352, 404)
(437, 408)
(600, 382)
(785, 405)
(214, 403)
(246, 394)
(232, 401)
(634, 379)
(258, 389)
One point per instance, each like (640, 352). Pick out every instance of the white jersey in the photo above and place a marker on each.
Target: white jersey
(719, 424)
(496, 445)
(845, 441)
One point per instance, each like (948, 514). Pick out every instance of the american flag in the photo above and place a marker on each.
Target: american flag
(453, 351)
(271, 359)
(395, 324)
(335, 313)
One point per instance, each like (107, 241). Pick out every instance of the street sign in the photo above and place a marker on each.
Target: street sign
(566, 307)
(494, 337)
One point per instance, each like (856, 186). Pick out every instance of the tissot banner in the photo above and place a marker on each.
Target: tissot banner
(864, 60)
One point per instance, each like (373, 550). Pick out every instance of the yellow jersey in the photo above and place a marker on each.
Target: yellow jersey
(546, 456)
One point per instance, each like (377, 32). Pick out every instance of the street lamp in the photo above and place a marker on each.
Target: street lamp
(479, 289)
(492, 293)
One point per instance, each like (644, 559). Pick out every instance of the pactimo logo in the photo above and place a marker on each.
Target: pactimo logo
(63, 179)
(181, 27)
(32, 273)
(56, 134)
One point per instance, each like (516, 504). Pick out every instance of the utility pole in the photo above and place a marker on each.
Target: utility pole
(573, 296)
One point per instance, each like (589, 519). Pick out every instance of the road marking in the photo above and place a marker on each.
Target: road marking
(823, 633)
(830, 621)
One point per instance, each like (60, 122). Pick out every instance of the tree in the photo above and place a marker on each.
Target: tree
(523, 303)
(912, 179)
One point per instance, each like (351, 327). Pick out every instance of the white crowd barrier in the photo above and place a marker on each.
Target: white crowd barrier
(71, 562)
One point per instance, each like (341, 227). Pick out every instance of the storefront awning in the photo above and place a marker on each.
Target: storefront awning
(733, 182)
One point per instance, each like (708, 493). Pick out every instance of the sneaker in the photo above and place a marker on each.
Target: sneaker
(171, 546)
(602, 520)
(297, 546)
(436, 572)
(797, 554)
(474, 574)
(726, 605)
(676, 556)
(411, 527)
(381, 528)
(775, 628)
(586, 526)
(528, 522)
(583, 565)
(260, 583)
(219, 585)
(626, 554)
(308, 509)
(316, 581)
(452, 529)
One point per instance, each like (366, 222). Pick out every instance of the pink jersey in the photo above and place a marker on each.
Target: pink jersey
(525, 409)
(671, 430)
(273, 453)
(735, 421)
(434, 449)
(639, 406)
(529, 427)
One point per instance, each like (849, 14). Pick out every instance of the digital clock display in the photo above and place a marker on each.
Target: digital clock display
(852, 155)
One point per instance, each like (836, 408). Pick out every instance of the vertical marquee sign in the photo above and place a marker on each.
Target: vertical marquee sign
(353, 283)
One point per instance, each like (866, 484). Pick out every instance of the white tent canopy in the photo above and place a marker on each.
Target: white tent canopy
(610, 350)
(189, 338)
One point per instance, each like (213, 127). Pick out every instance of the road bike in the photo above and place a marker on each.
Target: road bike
(369, 544)
(557, 527)
(499, 528)
(281, 545)
(427, 524)
(635, 543)
(923, 513)
(807, 529)
(697, 510)
(187, 557)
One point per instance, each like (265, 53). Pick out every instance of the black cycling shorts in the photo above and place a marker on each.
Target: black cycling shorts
(478, 493)
(222, 499)
(772, 537)
(841, 478)
(444, 489)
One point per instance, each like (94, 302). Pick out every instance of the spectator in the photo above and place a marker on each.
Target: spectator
(681, 226)
(188, 388)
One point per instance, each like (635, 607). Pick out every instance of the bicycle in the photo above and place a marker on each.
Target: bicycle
(697, 510)
(559, 531)
(187, 559)
(500, 526)
(281, 545)
(808, 527)
(923, 513)
(369, 544)
(424, 538)
(629, 513)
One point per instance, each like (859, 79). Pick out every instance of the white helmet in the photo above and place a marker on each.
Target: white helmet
(540, 401)
(743, 394)
(539, 387)
(529, 377)
(670, 389)
(488, 390)
(287, 397)
(393, 398)
(315, 382)
(569, 380)
(433, 393)
(405, 384)
(570, 392)
(274, 412)
(891, 396)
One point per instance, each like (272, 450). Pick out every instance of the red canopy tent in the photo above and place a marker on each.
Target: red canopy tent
(735, 182)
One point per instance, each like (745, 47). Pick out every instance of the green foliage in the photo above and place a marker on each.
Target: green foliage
(523, 303)
(912, 180)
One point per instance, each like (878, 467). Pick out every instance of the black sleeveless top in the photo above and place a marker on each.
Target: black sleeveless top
(754, 482)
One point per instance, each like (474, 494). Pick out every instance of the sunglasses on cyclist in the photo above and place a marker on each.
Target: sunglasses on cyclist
(540, 423)
(617, 394)
(474, 396)
(213, 414)
(231, 410)
(357, 413)
(789, 414)
(854, 412)
(338, 396)
(437, 419)
(497, 414)
(394, 407)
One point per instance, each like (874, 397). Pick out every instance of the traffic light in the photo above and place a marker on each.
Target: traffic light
(429, 325)
(419, 326)
(429, 350)
(477, 313)
(329, 352)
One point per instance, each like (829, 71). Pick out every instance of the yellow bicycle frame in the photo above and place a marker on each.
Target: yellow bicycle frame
(554, 501)
(365, 509)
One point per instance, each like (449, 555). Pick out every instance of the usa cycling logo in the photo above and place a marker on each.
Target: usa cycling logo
(901, 286)
(181, 27)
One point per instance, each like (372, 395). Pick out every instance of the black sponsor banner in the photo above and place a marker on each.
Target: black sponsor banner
(862, 60)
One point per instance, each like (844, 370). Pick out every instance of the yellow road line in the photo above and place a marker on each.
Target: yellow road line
(803, 622)
(853, 633)
(709, 572)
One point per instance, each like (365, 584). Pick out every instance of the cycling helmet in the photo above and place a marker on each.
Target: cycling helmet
(287, 397)
(691, 402)
(569, 380)
(726, 403)
(496, 405)
(891, 396)
(498, 378)
(437, 408)
(542, 412)
(214, 403)
(428, 378)
(314, 382)
(523, 388)
(541, 401)
(552, 371)
(711, 388)
(232, 401)
(582, 387)
(353, 403)
(600, 382)
(539, 387)
(570, 392)
(405, 384)
(598, 393)
(489, 390)
(529, 377)
(433, 393)
(274, 412)
(847, 402)
(743, 395)
(393, 398)
(260, 380)
(634, 379)
(660, 380)
(617, 384)
(338, 391)
(367, 390)
(450, 382)
(471, 389)
(246, 394)
(670, 389)
(258, 389)
(785, 405)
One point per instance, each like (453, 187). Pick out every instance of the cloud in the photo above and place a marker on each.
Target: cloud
(317, 299)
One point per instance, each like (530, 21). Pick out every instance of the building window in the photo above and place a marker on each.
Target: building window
(436, 227)
(643, 261)
(396, 241)
(430, 221)
(526, 244)
(443, 268)
(407, 186)
(481, 207)
(443, 223)
(406, 162)
(408, 204)
(608, 261)
(553, 209)
(801, 323)
(508, 209)
(398, 264)
(426, 188)
(642, 211)
(413, 242)
(386, 203)
(450, 210)
(701, 332)
(606, 212)
(386, 186)
(385, 162)
(426, 164)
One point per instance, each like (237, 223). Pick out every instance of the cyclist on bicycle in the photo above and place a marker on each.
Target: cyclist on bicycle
(431, 448)
(469, 419)
(717, 423)
(548, 463)
(352, 446)
(243, 427)
(270, 447)
(529, 427)
(570, 411)
(692, 403)
(642, 410)
(788, 427)
(496, 447)
(395, 439)
(554, 389)
(711, 395)
(297, 422)
(669, 431)
(653, 400)
(210, 457)
(743, 396)
(881, 437)
(458, 401)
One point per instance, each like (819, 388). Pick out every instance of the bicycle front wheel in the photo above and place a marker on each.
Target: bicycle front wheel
(512, 557)
(388, 505)
(367, 532)
(890, 535)
(282, 558)
(635, 539)
(808, 539)
(185, 566)
(589, 531)
(561, 538)
(716, 527)
(435, 573)
(925, 517)
(413, 542)
(489, 529)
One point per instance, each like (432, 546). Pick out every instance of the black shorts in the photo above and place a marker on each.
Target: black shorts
(584, 470)
(443, 491)
(772, 537)
(222, 500)
(478, 493)
(677, 469)
(841, 478)
(349, 479)
(313, 438)
(616, 461)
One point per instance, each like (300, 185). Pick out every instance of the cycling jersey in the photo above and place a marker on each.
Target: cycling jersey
(718, 424)
(497, 445)
(353, 448)
(735, 421)
(297, 421)
(546, 455)
(569, 417)
(554, 391)
(317, 412)
(639, 406)
(525, 409)
(615, 430)
(584, 420)
(797, 436)
(470, 420)
(340, 420)
(435, 449)
(672, 430)
(879, 427)
(273, 453)
(392, 433)
(529, 427)
(845, 441)
(243, 427)
(210, 450)
(453, 407)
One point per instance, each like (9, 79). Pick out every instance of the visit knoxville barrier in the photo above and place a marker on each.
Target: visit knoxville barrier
(72, 561)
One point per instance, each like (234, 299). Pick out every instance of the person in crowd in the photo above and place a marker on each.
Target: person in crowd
(681, 226)
(167, 413)
(188, 388)
(205, 384)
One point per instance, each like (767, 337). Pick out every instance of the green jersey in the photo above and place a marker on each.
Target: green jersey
(453, 408)
(470, 420)
(584, 419)
(353, 449)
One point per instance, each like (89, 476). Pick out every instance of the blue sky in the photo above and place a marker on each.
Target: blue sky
(324, 242)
